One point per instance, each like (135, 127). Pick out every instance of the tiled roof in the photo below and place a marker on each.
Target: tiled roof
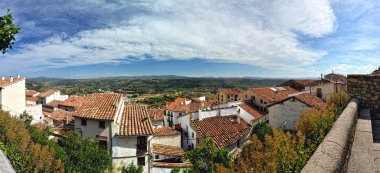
(273, 96)
(168, 150)
(101, 106)
(223, 130)
(311, 100)
(135, 121)
(32, 99)
(185, 164)
(179, 105)
(31, 93)
(256, 114)
(47, 93)
(54, 103)
(46, 113)
(61, 115)
(156, 114)
(165, 131)
(74, 101)
(7, 81)
(229, 91)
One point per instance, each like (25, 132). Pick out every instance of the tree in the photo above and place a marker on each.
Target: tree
(85, 155)
(8, 30)
(205, 157)
(132, 168)
(261, 129)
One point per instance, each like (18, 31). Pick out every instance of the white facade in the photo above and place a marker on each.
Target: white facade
(171, 140)
(55, 96)
(36, 112)
(12, 97)
(189, 135)
(324, 91)
(286, 114)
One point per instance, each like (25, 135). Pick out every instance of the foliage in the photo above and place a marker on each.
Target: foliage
(205, 157)
(85, 155)
(132, 168)
(261, 129)
(338, 101)
(175, 170)
(24, 154)
(8, 30)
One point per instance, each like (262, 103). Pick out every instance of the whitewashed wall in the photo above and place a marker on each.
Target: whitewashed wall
(35, 111)
(288, 111)
(13, 98)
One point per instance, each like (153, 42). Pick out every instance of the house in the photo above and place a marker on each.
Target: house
(12, 95)
(61, 117)
(333, 77)
(227, 95)
(183, 106)
(262, 97)
(228, 132)
(48, 96)
(157, 117)
(72, 103)
(166, 150)
(249, 113)
(302, 85)
(376, 72)
(51, 106)
(324, 90)
(31, 97)
(124, 129)
(285, 113)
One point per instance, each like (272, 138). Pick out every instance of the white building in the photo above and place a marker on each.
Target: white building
(48, 96)
(285, 113)
(12, 95)
(157, 117)
(325, 90)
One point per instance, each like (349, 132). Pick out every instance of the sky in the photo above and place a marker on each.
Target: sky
(213, 38)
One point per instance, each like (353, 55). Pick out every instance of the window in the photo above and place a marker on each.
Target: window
(141, 161)
(246, 96)
(102, 124)
(253, 98)
(192, 135)
(84, 122)
(265, 103)
(261, 100)
(157, 156)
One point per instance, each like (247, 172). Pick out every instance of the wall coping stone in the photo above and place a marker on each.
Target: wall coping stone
(331, 154)
(5, 165)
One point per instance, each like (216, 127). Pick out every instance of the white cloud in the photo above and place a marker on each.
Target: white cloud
(352, 69)
(259, 33)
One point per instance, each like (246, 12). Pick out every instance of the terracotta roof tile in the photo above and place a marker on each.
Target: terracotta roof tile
(168, 150)
(53, 103)
(179, 105)
(61, 115)
(186, 164)
(32, 99)
(223, 130)
(135, 121)
(229, 91)
(47, 93)
(31, 93)
(256, 114)
(156, 114)
(274, 96)
(7, 81)
(74, 101)
(311, 100)
(101, 106)
(165, 131)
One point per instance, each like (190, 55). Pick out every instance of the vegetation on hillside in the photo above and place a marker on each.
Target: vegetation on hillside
(281, 151)
(29, 149)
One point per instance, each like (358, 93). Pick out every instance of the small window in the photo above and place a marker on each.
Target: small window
(102, 124)
(261, 100)
(246, 96)
(157, 156)
(84, 122)
(265, 103)
(141, 161)
(192, 135)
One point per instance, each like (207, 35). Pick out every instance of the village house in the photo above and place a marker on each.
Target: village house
(302, 85)
(12, 95)
(72, 103)
(250, 114)
(227, 95)
(183, 106)
(32, 108)
(124, 129)
(48, 96)
(325, 90)
(31, 97)
(157, 117)
(262, 97)
(285, 113)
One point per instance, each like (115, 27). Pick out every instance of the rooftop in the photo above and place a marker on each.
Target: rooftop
(54, 103)
(101, 106)
(184, 105)
(273, 94)
(61, 115)
(311, 100)
(74, 101)
(4, 82)
(185, 164)
(229, 91)
(156, 114)
(223, 130)
(165, 131)
(31, 93)
(168, 150)
(135, 121)
(256, 114)
(47, 93)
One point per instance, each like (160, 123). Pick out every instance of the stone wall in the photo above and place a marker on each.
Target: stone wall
(365, 88)
(332, 154)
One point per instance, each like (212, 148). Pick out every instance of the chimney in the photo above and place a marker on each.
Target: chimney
(238, 119)
(11, 78)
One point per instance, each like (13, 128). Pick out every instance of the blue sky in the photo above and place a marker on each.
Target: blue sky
(245, 38)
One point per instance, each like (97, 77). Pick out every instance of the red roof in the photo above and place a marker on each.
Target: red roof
(256, 114)
(74, 101)
(53, 103)
(32, 99)
(223, 130)
(185, 164)
(101, 106)
(61, 115)
(31, 93)
(47, 93)
(156, 114)
(311, 100)
(179, 105)
(168, 150)
(274, 96)
(135, 121)
(229, 91)
(165, 131)
(7, 81)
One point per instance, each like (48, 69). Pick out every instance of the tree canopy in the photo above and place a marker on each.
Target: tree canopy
(8, 30)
